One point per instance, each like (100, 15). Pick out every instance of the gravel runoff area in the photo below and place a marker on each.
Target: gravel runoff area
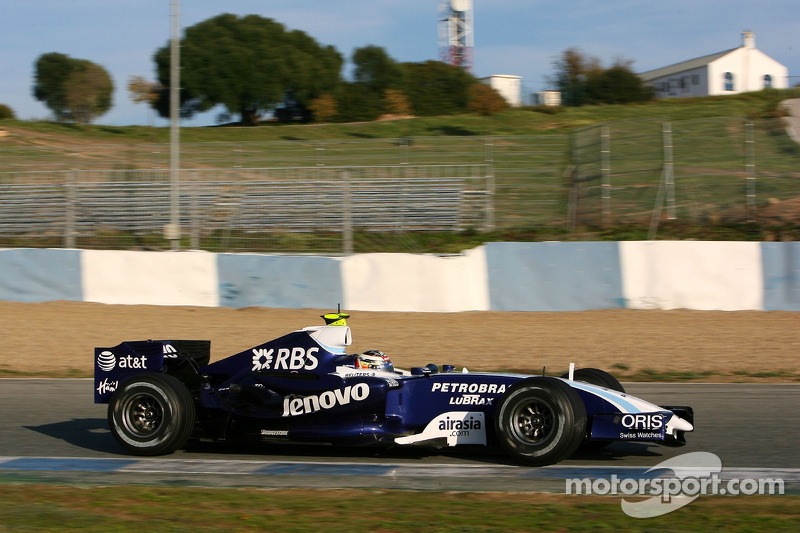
(57, 338)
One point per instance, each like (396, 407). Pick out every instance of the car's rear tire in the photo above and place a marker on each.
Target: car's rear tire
(595, 376)
(540, 421)
(151, 414)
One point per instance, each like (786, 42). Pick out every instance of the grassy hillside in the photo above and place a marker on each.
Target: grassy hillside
(710, 176)
(524, 121)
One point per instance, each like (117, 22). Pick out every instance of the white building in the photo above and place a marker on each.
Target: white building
(547, 98)
(509, 87)
(735, 71)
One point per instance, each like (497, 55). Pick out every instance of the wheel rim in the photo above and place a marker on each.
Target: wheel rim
(143, 415)
(532, 421)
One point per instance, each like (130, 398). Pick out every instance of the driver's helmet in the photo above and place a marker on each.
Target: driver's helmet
(374, 360)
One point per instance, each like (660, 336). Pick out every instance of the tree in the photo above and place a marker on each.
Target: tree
(247, 64)
(485, 100)
(396, 103)
(374, 73)
(582, 80)
(6, 112)
(356, 103)
(73, 89)
(616, 85)
(51, 73)
(572, 68)
(88, 93)
(142, 91)
(375, 69)
(435, 88)
(324, 108)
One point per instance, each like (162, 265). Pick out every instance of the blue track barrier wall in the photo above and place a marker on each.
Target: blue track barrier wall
(279, 281)
(539, 276)
(781, 275)
(497, 276)
(40, 275)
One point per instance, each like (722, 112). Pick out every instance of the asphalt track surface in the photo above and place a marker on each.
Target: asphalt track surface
(51, 431)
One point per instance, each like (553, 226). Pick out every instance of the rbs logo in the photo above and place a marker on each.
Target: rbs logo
(286, 359)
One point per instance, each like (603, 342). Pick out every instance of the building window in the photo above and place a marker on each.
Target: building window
(695, 79)
(767, 81)
(729, 81)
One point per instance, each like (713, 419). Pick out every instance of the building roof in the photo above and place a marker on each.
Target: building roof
(683, 66)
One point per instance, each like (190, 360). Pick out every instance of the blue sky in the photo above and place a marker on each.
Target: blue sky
(520, 37)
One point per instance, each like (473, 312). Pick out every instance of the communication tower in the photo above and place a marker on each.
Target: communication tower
(456, 41)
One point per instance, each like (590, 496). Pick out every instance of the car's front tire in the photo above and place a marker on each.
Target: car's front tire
(595, 376)
(540, 421)
(151, 414)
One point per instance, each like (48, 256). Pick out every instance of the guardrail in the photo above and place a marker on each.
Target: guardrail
(301, 209)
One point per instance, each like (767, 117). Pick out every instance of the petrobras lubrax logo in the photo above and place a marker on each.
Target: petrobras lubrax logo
(303, 405)
(469, 393)
(471, 388)
(107, 361)
(285, 359)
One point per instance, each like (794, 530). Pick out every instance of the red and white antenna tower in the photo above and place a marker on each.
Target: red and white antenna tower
(456, 41)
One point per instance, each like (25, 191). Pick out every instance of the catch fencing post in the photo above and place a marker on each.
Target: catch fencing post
(69, 226)
(669, 171)
(605, 172)
(347, 215)
(750, 168)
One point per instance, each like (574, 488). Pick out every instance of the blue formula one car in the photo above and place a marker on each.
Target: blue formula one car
(305, 387)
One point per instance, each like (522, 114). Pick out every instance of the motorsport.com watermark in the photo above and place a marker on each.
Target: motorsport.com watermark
(694, 474)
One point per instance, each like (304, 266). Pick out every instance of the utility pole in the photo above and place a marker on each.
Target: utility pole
(172, 232)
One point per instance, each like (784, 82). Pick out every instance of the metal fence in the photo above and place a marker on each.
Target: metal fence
(698, 171)
(299, 195)
(309, 209)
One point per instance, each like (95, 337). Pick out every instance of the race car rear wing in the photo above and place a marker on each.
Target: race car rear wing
(180, 358)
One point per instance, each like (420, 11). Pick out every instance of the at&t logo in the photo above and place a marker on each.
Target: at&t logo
(106, 361)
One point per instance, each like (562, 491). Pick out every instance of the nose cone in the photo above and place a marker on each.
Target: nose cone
(679, 424)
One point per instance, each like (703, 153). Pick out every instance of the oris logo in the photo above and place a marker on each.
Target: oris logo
(106, 361)
(650, 422)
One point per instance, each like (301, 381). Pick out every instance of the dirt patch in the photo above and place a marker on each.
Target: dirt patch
(59, 338)
(780, 212)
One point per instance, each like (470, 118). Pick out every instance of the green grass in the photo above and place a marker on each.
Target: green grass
(524, 121)
(530, 153)
(128, 508)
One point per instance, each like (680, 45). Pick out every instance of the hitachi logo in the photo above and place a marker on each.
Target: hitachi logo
(295, 406)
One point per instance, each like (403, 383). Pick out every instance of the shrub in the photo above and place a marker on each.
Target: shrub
(6, 112)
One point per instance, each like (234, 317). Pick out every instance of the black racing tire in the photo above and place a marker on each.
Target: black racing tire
(540, 421)
(595, 376)
(151, 414)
